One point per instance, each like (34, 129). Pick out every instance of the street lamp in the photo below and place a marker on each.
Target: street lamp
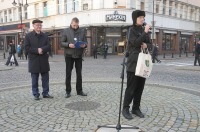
(20, 3)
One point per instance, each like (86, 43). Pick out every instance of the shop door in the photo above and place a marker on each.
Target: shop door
(112, 45)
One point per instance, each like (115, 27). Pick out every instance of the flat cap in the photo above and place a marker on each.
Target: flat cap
(37, 21)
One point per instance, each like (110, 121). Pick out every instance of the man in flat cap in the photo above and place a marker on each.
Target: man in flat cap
(37, 46)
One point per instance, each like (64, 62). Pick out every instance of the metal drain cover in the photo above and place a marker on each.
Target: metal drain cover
(83, 105)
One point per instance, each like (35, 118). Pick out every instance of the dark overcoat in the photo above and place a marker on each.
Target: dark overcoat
(38, 63)
(136, 38)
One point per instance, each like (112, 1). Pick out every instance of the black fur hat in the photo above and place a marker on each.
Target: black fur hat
(136, 14)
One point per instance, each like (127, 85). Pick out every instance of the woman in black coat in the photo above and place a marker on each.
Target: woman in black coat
(138, 38)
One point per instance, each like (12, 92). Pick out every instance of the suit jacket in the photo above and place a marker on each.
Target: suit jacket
(68, 36)
(38, 63)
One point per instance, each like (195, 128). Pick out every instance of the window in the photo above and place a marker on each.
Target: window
(170, 8)
(36, 10)
(175, 10)
(65, 4)
(168, 42)
(20, 15)
(142, 6)
(85, 6)
(164, 6)
(185, 12)
(1, 17)
(45, 9)
(5, 16)
(157, 8)
(59, 2)
(25, 13)
(181, 12)
(76, 5)
(15, 14)
(10, 15)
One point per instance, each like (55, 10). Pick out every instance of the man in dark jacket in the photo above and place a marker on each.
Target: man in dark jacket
(12, 52)
(138, 38)
(37, 45)
(155, 54)
(95, 51)
(197, 54)
(73, 55)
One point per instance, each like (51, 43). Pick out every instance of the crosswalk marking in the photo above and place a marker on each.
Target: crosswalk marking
(179, 64)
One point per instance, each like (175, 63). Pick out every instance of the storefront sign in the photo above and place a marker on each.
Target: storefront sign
(21, 26)
(115, 17)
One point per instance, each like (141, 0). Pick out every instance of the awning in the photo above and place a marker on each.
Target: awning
(186, 33)
(171, 32)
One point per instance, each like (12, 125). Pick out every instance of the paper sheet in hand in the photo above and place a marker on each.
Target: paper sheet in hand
(78, 44)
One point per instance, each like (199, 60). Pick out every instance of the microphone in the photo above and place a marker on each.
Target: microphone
(144, 24)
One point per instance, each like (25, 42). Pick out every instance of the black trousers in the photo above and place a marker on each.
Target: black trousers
(69, 66)
(197, 58)
(134, 90)
(95, 55)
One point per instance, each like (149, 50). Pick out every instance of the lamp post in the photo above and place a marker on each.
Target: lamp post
(20, 4)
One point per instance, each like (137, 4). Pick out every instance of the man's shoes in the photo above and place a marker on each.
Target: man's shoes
(67, 95)
(36, 98)
(138, 113)
(47, 96)
(82, 94)
(127, 114)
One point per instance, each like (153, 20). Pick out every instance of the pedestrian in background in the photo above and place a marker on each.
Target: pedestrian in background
(19, 50)
(105, 48)
(11, 58)
(155, 51)
(73, 55)
(95, 51)
(197, 54)
(37, 46)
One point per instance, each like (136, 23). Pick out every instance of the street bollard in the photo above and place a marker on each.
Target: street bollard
(186, 54)
(172, 55)
(4, 55)
(164, 55)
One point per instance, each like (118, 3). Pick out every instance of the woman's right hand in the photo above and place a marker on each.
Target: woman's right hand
(147, 28)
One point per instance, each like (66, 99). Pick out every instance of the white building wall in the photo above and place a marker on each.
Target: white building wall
(96, 17)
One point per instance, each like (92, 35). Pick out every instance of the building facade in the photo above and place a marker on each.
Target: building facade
(176, 22)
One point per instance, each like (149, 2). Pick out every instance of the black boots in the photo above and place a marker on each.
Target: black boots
(138, 113)
(126, 113)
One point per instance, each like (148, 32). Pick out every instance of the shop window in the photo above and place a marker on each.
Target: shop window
(168, 42)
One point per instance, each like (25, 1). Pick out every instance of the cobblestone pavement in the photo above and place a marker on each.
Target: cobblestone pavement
(171, 100)
(165, 110)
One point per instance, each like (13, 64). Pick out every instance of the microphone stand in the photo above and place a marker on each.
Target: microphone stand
(119, 126)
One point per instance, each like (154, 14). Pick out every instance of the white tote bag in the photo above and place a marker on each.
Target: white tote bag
(144, 65)
(12, 59)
